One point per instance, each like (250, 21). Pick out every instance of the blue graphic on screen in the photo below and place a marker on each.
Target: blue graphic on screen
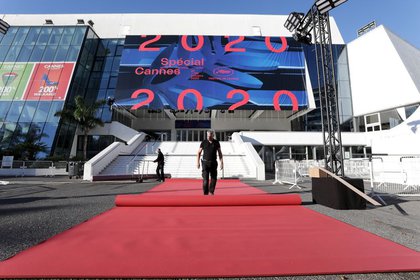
(212, 66)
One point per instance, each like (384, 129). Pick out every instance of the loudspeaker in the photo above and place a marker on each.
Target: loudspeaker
(330, 192)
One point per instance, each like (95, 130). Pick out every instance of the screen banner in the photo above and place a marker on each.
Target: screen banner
(14, 79)
(212, 72)
(49, 81)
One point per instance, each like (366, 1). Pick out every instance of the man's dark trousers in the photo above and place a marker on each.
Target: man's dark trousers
(209, 170)
(159, 172)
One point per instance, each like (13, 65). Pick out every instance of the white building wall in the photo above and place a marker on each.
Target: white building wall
(379, 79)
(120, 25)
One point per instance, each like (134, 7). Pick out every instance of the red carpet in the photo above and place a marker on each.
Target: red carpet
(194, 187)
(217, 241)
(203, 201)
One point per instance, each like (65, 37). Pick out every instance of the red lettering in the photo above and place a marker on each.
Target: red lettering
(149, 99)
(240, 103)
(198, 47)
(143, 46)
(276, 100)
(228, 47)
(197, 95)
(271, 48)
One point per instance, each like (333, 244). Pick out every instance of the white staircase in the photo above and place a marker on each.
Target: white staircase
(181, 161)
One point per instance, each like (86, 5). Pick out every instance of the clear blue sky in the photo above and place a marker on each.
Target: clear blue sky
(400, 16)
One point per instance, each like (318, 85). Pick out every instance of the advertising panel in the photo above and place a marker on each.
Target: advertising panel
(14, 79)
(212, 72)
(49, 81)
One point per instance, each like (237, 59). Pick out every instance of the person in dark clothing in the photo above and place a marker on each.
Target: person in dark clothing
(210, 147)
(159, 169)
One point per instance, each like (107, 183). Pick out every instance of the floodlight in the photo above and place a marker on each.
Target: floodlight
(4, 26)
(49, 21)
(80, 21)
(324, 6)
(90, 22)
(293, 21)
(303, 38)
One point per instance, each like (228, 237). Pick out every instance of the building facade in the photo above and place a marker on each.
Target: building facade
(47, 60)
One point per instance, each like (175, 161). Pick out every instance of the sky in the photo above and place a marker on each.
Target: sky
(402, 17)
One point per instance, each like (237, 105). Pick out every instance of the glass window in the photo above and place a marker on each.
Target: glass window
(79, 35)
(32, 36)
(119, 50)
(67, 36)
(55, 36)
(73, 53)
(37, 53)
(88, 44)
(85, 79)
(101, 96)
(48, 133)
(89, 61)
(94, 80)
(2, 129)
(106, 115)
(98, 112)
(98, 64)
(55, 107)
(41, 113)
(4, 107)
(110, 93)
(83, 57)
(112, 46)
(20, 36)
(13, 53)
(102, 48)
(3, 52)
(61, 54)
(28, 111)
(10, 35)
(90, 34)
(108, 64)
(25, 53)
(104, 81)
(9, 130)
(116, 64)
(49, 53)
(14, 111)
(44, 36)
(113, 82)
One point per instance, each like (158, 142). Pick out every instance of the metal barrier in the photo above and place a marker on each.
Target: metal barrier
(396, 176)
(34, 168)
(140, 169)
(357, 168)
(294, 172)
(390, 175)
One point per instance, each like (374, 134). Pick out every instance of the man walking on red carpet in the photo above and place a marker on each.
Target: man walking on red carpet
(210, 147)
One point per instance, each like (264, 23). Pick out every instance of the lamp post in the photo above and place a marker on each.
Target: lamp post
(317, 21)
(4, 26)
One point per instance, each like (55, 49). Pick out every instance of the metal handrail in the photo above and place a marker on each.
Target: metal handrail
(127, 168)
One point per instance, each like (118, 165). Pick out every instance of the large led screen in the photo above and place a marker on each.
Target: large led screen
(212, 72)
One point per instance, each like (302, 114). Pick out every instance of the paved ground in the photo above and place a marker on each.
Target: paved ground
(35, 209)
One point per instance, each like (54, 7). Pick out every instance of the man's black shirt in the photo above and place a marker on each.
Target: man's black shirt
(210, 149)
(160, 159)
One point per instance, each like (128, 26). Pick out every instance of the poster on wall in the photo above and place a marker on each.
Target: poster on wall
(14, 79)
(49, 81)
(212, 72)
